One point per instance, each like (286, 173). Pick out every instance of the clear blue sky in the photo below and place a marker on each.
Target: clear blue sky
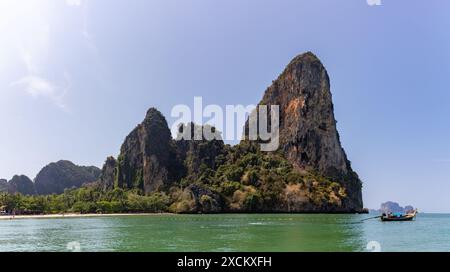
(76, 76)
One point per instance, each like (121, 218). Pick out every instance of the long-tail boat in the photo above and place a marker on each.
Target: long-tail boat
(399, 217)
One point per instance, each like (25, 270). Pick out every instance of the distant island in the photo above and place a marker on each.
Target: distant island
(309, 173)
(393, 207)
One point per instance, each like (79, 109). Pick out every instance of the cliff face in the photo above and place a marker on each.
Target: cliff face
(56, 177)
(108, 173)
(148, 158)
(21, 184)
(198, 154)
(308, 134)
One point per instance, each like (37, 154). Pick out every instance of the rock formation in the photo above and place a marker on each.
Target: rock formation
(308, 134)
(56, 177)
(148, 158)
(394, 207)
(197, 154)
(108, 173)
(21, 184)
(204, 199)
(309, 173)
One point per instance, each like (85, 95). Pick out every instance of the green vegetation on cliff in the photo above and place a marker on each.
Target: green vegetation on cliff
(249, 180)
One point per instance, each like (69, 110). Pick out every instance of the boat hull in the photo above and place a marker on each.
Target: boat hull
(407, 217)
(397, 219)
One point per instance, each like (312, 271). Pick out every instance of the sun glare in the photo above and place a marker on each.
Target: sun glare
(24, 25)
(14, 13)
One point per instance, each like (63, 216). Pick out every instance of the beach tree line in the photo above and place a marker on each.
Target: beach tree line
(84, 200)
(248, 181)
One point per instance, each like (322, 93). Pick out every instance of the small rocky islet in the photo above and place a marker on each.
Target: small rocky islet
(309, 173)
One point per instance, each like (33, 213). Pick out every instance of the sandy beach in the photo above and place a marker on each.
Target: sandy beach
(75, 215)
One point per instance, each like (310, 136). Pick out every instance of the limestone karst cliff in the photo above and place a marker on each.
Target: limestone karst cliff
(147, 158)
(108, 174)
(308, 135)
(309, 172)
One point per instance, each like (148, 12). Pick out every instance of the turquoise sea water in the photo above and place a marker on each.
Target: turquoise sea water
(231, 232)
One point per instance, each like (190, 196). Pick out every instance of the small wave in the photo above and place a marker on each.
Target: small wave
(258, 223)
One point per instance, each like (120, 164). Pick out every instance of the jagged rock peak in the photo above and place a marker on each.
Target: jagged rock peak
(303, 58)
(192, 131)
(147, 157)
(308, 133)
(153, 113)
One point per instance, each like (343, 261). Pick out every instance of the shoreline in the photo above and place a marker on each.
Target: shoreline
(76, 215)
